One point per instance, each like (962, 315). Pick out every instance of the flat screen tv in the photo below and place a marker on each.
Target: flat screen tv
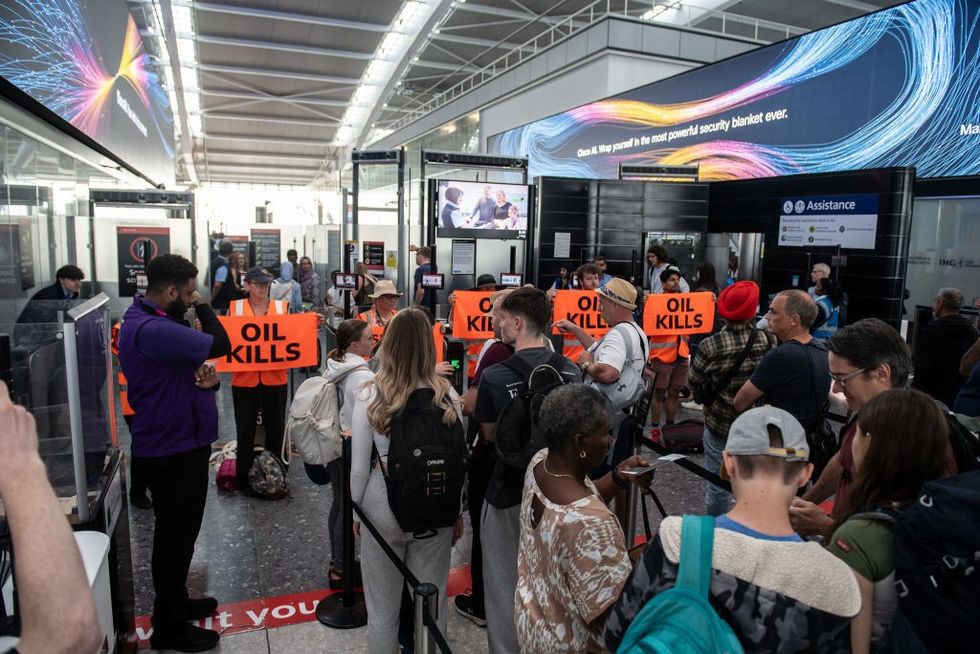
(481, 209)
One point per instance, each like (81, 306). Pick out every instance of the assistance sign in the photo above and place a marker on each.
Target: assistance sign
(471, 315)
(269, 342)
(669, 314)
(848, 221)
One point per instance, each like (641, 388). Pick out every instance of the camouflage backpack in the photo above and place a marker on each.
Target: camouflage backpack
(268, 477)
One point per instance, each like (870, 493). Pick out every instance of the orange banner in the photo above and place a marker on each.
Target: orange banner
(471, 315)
(668, 314)
(269, 342)
(581, 308)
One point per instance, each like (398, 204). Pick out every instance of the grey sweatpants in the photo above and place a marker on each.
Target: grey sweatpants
(500, 535)
(427, 558)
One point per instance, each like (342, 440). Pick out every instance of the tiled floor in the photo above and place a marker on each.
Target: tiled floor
(251, 548)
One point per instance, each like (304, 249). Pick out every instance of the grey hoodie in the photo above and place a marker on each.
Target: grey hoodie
(350, 384)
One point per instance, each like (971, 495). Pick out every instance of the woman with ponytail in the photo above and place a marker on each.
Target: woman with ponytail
(347, 368)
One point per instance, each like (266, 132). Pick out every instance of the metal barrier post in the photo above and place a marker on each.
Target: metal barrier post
(426, 602)
(632, 494)
(345, 610)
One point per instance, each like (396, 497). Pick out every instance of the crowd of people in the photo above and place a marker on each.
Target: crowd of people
(802, 551)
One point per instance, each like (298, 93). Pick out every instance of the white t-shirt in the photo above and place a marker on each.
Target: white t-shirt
(612, 351)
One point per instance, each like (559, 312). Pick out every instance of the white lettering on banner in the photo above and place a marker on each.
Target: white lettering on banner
(284, 611)
(257, 619)
(128, 110)
(969, 129)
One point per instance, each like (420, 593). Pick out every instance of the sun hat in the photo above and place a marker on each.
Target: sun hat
(383, 287)
(619, 291)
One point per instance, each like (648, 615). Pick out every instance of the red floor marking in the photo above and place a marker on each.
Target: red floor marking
(281, 611)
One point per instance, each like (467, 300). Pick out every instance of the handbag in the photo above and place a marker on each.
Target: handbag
(821, 440)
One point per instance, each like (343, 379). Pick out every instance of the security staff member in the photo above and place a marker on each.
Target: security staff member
(252, 391)
(171, 390)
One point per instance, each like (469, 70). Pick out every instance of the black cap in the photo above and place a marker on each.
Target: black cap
(486, 280)
(258, 275)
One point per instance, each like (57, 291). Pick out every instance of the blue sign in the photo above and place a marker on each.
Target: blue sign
(830, 204)
(847, 221)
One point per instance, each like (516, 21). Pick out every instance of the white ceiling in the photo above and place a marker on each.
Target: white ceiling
(276, 76)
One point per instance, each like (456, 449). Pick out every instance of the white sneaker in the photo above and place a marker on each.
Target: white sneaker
(692, 405)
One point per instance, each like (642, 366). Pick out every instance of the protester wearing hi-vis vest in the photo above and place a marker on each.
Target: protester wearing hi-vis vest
(670, 359)
(252, 391)
(385, 298)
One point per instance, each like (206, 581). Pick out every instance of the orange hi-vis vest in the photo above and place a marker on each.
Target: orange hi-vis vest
(120, 377)
(267, 377)
(666, 349)
(374, 323)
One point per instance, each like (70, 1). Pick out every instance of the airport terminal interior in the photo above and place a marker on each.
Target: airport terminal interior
(355, 159)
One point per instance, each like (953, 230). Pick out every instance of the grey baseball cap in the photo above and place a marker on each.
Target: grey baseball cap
(749, 435)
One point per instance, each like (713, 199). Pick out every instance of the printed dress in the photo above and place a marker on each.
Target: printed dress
(571, 568)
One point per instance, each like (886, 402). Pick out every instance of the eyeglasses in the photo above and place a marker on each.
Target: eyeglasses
(843, 380)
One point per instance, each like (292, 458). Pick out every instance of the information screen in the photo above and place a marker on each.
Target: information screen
(432, 280)
(511, 279)
(897, 87)
(86, 62)
(482, 210)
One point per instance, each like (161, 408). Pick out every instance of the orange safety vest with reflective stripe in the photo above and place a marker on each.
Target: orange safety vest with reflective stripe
(374, 323)
(666, 349)
(120, 377)
(266, 377)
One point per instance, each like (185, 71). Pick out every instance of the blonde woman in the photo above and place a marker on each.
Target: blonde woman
(409, 364)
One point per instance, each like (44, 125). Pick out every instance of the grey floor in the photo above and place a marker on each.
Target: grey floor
(251, 548)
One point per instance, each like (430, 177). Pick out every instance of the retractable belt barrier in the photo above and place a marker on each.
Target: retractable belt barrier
(426, 593)
(688, 465)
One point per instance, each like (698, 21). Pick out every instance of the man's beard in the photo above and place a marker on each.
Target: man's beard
(177, 309)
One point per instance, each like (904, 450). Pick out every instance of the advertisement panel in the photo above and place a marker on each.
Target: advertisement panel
(894, 88)
(131, 252)
(86, 62)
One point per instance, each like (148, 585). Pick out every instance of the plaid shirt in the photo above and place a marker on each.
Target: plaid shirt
(715, 357)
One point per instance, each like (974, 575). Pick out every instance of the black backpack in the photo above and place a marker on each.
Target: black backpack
(937, 566)
(518, 436)
(964, 442)
(426, 465)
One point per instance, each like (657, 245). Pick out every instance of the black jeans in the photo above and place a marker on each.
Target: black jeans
(179, 484)
(248, 400)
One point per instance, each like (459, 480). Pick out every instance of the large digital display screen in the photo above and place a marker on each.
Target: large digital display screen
(899, 87)
(482, 210)
(85, 61)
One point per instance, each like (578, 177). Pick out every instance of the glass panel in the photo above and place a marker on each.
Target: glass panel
(944, 250)
(686, 247)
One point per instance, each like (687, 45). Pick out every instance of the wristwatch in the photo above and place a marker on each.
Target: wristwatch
(585, 367)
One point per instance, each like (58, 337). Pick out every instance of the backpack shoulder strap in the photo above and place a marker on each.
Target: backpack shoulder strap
(518, 365)
(697, 542)
(644, 345)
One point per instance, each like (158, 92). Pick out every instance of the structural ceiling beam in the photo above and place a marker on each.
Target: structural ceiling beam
(255, 12)
(293, 48)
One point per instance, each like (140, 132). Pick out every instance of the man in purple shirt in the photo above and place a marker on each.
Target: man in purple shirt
(171, 389)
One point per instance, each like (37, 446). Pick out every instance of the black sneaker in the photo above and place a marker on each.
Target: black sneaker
(186, 639)
(200, 608)
(464, 606)
(140, 501)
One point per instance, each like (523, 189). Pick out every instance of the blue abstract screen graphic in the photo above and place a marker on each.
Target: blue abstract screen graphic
(899, 87)
(85, 60)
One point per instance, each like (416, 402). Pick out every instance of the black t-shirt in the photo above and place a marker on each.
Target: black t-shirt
(428, 293)
(787, 379)
(498, 385)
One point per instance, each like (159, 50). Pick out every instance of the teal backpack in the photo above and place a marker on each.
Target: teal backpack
(681, 620)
